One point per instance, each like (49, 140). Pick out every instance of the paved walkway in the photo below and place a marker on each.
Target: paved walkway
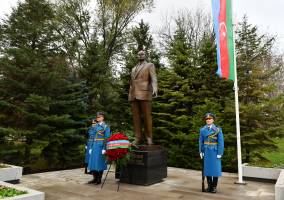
(181, 184)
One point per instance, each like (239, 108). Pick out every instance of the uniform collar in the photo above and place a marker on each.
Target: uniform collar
(212, 127)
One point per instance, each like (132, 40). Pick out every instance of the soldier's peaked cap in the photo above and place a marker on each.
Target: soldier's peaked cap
(100, 114)
(209, 115)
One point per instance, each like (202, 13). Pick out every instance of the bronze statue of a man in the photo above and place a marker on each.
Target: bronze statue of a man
(143, 85)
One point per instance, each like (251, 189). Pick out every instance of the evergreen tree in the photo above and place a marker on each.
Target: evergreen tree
(102, 87)
(173, 118)
(259, 114)
(41, 104)
(188, 89)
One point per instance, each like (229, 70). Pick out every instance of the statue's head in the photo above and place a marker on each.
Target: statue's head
(141, 55)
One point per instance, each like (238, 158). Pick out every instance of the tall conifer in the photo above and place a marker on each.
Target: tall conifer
(41, 104)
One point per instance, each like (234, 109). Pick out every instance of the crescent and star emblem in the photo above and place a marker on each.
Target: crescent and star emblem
(223, 29)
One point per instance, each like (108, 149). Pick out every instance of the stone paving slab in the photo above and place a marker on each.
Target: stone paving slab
(181, 184)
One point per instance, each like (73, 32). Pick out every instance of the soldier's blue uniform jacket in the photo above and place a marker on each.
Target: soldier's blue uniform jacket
(211, 144)
(98, 136)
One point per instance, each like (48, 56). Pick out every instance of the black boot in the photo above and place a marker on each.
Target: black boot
(210, 184)
(214, 184)
(86, 168)
(95, 177)
(99, 179)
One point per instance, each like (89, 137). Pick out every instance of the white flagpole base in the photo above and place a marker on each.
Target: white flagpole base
(240, 182)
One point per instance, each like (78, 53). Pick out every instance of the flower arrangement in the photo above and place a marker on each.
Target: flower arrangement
(117, 151)
(117, 148)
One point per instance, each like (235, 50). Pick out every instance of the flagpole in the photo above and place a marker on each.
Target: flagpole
(236, 88)
(239, 151)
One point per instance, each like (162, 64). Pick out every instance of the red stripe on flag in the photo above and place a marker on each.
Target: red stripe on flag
(224, 54)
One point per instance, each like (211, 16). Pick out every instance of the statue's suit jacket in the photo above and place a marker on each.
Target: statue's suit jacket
(143, 82)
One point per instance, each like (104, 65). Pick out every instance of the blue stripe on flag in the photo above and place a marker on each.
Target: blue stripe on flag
(118, 141)
(216, 12)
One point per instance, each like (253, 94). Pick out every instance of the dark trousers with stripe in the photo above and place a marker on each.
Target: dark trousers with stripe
(212, 181)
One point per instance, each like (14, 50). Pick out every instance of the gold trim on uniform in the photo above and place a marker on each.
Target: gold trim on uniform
(97, 139)
(211, 143)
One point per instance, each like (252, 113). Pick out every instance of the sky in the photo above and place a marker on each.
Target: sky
(266, 15)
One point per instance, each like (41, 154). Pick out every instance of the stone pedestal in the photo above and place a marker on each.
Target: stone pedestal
(147, 166)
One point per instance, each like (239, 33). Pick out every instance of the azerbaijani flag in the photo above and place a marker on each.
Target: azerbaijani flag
(222, 17)
(118, 144)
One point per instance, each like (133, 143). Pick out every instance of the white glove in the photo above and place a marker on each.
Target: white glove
(90, 151)
(103, 151)
(219, 156)
(201, 155)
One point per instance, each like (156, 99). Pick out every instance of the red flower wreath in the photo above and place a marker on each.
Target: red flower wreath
(118, 146)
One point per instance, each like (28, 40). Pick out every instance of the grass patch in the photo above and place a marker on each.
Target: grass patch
(9, 192)
(276, 158)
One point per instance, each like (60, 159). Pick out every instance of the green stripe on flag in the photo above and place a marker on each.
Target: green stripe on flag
(230, 39)
(118, 147)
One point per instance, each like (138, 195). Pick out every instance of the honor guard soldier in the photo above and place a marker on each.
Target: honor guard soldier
(211, 149)
(96, 148)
